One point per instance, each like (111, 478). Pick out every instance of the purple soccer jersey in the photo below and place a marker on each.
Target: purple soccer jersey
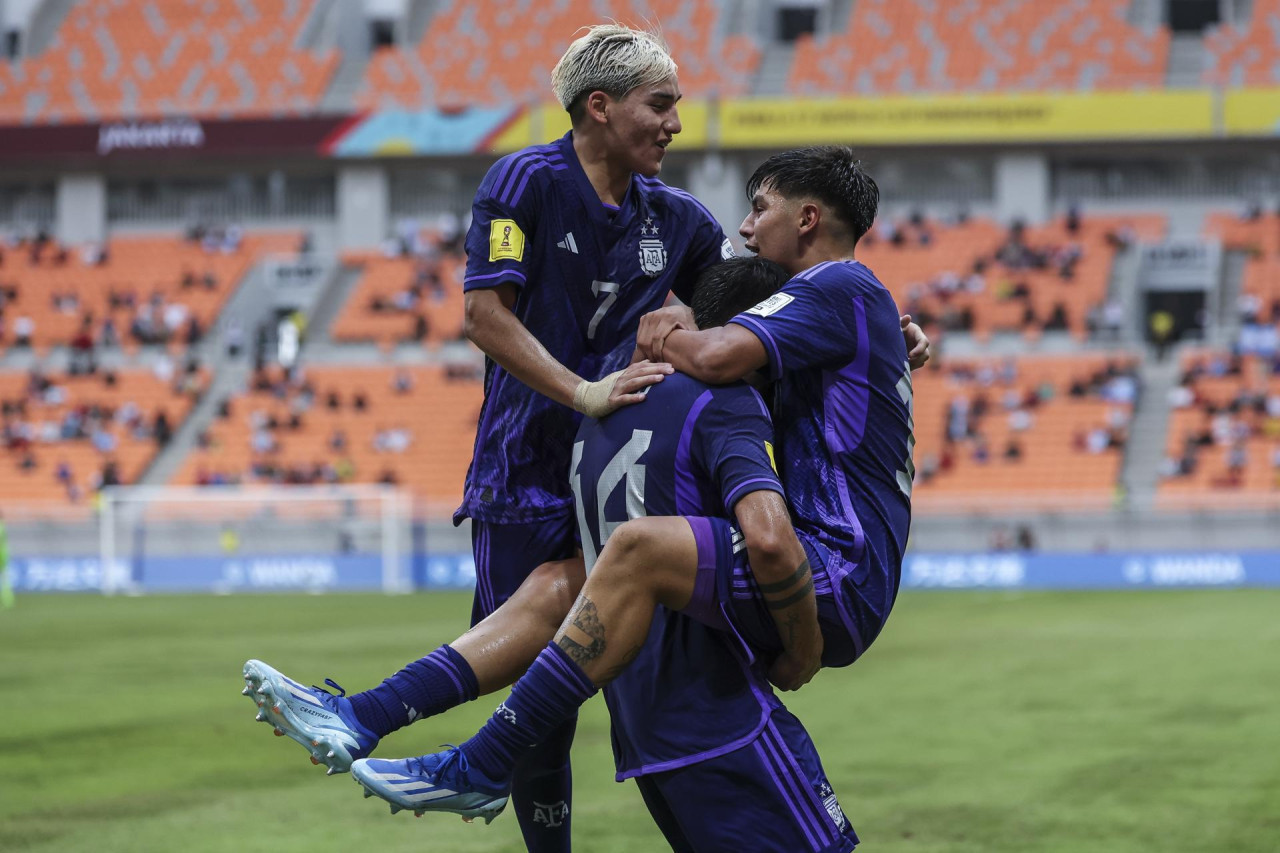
(585, 274)
(843, 417)
(689, 449)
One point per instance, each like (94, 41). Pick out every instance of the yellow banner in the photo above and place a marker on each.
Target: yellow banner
(542, 124)
(1253, 112)
(944, 119)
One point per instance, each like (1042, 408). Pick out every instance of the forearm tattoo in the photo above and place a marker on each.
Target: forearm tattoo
(586, 619)
(801, 574)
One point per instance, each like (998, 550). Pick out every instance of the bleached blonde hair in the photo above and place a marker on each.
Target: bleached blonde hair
(610, 58)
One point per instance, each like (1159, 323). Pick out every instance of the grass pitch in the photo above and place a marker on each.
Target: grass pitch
(979, 722)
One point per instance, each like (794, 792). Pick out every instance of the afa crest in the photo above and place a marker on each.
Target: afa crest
(653, 254)
(653, 257)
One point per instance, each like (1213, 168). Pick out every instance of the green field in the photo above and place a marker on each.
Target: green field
(979, 722)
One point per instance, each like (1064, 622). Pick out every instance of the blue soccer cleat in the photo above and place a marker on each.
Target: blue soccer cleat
(440, 782)
(314, 717)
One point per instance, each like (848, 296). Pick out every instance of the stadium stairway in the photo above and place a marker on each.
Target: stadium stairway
(1187, 61)
(775, 65)
(229, 377)
(331, 303)
(45, 22)
(1148, 430)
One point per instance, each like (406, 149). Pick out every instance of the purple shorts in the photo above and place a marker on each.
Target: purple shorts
(771, 794)
(726, 597)
(506, 554)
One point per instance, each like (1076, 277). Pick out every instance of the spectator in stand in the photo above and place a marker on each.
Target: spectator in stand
(24, 328)
(401, 382)
(162, 429)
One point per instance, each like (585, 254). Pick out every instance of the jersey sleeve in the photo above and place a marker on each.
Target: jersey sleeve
(708, 246)
(807, 325)
(498, 241)
(735, 443)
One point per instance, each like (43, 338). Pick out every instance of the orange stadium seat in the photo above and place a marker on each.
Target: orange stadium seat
(439, 412)
(1245, 54)
(1017, 45)
(485, 53)
(1052, 464)
(134, 58)
(384, 280)
(1260, 238)
(909, 269)
(139, 267)
(132, 454)
(1233, 408)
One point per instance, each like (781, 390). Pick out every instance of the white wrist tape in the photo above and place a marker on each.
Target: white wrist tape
(592, 398)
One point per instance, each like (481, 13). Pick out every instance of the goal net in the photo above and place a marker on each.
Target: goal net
(232, 538)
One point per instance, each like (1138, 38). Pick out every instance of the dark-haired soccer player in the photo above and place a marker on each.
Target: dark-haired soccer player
(692, 708)
(831, 339)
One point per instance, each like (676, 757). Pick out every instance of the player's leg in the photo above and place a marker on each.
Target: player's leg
(771, 794)
(662, 814)
(646, 562)
(541, 786)
(335, 729)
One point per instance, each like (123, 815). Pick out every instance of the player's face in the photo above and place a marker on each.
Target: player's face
(770, 229)
(643, 123)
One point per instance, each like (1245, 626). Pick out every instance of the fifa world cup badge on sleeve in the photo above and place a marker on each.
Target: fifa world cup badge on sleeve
(506, 241)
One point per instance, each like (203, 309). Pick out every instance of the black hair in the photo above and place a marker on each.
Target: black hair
(829, 174)
(727, 289)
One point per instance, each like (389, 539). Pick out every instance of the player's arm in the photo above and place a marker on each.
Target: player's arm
(491, 325)
(716, 356)
(656, 328)
(783, 574)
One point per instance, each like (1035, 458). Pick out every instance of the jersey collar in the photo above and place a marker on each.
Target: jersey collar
(590, 199)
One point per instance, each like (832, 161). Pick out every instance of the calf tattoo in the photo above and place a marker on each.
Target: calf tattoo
(586, 619)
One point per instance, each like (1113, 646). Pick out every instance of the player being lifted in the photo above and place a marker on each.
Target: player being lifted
(832, 341)
(692, 713)
(570, 244)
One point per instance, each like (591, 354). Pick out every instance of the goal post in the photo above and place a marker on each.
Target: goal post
(237, 538)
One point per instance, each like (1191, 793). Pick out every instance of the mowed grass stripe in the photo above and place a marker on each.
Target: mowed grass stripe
(978, 722)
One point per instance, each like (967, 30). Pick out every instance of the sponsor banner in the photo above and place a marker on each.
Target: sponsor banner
(1180, 264)
(1251, 112)
(943, 119)
(171, 138)
(542, 124)
(241, 573)
(428, 132)
(1090, 571)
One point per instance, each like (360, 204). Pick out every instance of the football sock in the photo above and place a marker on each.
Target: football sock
(544, 697)
(429, 686)
(542, 792)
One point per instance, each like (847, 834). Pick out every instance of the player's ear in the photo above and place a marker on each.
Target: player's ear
(597, 107)
(808, 216)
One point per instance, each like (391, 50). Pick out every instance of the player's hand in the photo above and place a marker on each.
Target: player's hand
(597, 399)
(656, 325)
(797, 666)
(917, 343)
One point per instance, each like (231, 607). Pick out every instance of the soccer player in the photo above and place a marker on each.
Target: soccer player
(831, 339)
(570, 244)
(692, 713)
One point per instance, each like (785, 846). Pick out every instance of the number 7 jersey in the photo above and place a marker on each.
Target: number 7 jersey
(585, 274)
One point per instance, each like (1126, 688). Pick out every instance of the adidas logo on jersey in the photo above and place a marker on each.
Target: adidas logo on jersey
(568, 243)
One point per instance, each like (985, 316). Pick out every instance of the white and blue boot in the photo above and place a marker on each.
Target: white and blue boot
(439, 782)
(322, 722)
